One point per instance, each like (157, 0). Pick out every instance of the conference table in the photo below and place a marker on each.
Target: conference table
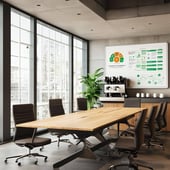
(84, 124)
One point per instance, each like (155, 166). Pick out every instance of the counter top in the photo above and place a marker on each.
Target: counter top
(111, 99)
(143, 100)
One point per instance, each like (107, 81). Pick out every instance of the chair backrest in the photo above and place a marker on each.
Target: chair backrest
(163, 115)
(132, 102)
(151, 120)
(56, 107)
(158, 117)
(82, 103)
(139, 131)
(23, 113)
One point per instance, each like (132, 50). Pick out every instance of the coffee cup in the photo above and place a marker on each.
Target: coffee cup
(154, 95)
(147, 95)
(142, 95)
(161, 95)
(137, 94)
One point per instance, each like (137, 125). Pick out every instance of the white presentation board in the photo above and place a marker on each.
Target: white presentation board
(145, 65)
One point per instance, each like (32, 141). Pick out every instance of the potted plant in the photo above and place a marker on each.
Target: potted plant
(92, 83)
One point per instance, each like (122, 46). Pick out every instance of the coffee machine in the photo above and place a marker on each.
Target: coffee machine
(115, 86)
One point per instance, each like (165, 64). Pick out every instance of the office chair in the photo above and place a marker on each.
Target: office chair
(158, 117)
(81, 103)
(132, 102)
(56, 109)
(132, 144)
(149, 129)
(161, 117)
(26, 137)
(129, 102)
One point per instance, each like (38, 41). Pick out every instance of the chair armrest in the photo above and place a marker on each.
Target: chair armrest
(129, 131)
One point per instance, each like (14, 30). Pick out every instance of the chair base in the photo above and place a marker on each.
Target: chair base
(26, 155)
(134, 164)
(154, 142)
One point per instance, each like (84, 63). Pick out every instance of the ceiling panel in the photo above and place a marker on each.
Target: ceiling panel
(75, 17)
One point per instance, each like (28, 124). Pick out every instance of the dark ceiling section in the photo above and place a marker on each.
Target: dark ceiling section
(121, 4)
(102, 3)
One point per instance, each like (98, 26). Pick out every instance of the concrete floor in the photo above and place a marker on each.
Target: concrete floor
(156, 157)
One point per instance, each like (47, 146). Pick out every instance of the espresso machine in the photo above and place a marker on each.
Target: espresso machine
(115, 86)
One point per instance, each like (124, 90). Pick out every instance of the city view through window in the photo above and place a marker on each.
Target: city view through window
(56, 68)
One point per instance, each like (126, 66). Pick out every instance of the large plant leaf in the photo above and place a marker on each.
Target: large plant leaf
(92, 84)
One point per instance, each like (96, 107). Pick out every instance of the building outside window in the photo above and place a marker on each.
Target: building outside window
(54, 65)
(53, 68)
(80, 66)
(21, 59)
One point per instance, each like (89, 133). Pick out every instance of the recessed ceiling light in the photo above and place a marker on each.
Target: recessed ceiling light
(78, 13)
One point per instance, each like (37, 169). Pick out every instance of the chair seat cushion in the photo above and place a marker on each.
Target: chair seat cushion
(38, 141)
(125, 143)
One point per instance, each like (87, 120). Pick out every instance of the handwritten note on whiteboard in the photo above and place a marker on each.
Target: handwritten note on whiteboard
(145, 65)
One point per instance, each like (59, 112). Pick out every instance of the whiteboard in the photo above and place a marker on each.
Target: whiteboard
(145, 65)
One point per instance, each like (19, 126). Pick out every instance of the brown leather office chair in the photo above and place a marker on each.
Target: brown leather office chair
(56, 108)
(149, 129)
(132, 144)
(26, 137)
(129, 102)
(161, 117)
(158, 117)
(81, 103)
(150, 138)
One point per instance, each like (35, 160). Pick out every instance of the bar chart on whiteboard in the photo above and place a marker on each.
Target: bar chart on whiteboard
(145, 65)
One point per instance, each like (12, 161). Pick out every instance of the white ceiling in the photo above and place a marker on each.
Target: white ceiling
(119, 23)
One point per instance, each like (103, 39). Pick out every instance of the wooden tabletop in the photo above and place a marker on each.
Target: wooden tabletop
(89, 120)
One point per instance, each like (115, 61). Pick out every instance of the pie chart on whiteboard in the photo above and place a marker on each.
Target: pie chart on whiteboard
(116, 58)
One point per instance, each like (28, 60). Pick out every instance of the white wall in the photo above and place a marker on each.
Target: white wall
(97, 55)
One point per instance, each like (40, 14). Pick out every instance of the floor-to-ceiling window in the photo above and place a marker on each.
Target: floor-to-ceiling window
(21, 59)
(55, 76)
(79, 67)
(53, 68)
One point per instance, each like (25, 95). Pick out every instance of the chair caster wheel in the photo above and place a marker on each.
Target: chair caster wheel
(36, 162)
(5, 161)
(41, 148)
(45, 159)
(19, 163)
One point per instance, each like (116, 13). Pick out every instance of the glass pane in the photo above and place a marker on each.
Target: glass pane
(25, 37)
(21, 61)
(52, 34)
(80, 67)
(25, 23)
(25, 50)
(45, 31)
(15, 50)
(15, 36)
(38, 28)
(53, 80)
(65, 39)
(14, 61)
(15, 19)
(24, 63)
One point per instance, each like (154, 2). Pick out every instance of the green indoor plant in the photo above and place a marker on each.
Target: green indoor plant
(92, 83)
